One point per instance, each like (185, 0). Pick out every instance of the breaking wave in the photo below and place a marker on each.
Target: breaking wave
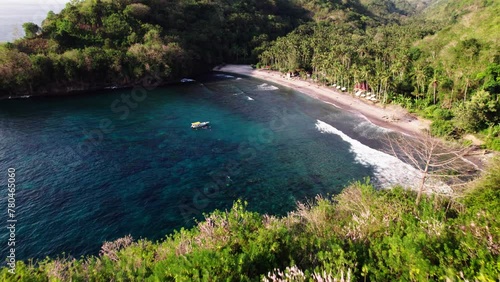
(387, 169)
(336, 106)
(369, 130)
(224, 75)
(267, 87)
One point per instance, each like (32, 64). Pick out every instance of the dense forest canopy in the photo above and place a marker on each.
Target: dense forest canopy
(97, 43)
(93, 43)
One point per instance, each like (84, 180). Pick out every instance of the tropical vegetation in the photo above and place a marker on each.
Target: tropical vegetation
(362, 234)
(93, 44)
(442, 62)
(440, 59)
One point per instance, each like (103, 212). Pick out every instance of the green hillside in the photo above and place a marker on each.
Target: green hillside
(465, 54)
(442, 61)
(367, 12)
(469, 40)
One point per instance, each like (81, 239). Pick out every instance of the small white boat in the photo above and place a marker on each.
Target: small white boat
(199, 124)
(343, 89)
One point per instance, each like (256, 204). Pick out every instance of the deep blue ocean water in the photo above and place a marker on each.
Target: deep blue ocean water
(96, 167)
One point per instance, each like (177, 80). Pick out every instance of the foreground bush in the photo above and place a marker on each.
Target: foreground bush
(360, 235)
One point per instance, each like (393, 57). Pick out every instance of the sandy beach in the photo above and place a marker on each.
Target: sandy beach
(388, 116)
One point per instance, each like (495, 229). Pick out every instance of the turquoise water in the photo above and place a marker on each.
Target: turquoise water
(91, 169)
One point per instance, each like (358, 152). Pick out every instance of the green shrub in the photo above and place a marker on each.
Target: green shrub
(442, 128)
(442, 114)
(492, 137)
(429, 111)
(493, 143)
(478, 113)
(362, 234)
(405, 102)
(420, 104)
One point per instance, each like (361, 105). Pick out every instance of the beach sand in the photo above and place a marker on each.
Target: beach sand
(388, 116)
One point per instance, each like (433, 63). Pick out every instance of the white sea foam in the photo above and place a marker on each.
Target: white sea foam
(19, 97)
(250, 98)
(388, 169)
(333, 105)
(267, 87)
(369, 130)
(224, 75)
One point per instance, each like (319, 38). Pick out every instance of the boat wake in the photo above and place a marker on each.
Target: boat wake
(388, 169)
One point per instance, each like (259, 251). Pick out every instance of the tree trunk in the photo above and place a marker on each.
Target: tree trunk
(434, 86)
(422, 184)
(466, 88)
(385, 92)
(421, 189)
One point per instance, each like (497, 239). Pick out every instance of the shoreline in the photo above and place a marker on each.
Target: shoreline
(392, 117)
